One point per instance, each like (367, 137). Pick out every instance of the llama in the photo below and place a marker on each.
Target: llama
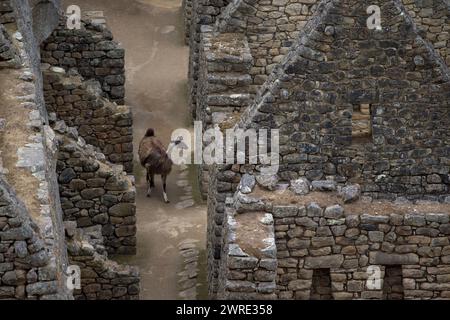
(155, 159)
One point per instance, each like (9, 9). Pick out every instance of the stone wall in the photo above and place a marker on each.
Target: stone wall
(248, 267)
(33, 249)
(433, 19)
(341, 242)
(95, 192)
(34, 24)
(7, 51)
(347, 246)
(101, 278)
(6, 12)
(333, 71)
(204, 13)
(270, 27)
(101, 123)
(223, 181)
(224, 80)
(33, 253)
(27, 269)
(92, 51)
(186, 7)
(347, 106)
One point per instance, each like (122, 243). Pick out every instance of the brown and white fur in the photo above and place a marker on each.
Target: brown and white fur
(155, 159)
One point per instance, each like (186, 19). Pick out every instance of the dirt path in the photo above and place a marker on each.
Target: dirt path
(156, 69)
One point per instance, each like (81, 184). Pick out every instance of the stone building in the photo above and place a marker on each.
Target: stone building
(67, 198)
(363, 117)
(360, 205)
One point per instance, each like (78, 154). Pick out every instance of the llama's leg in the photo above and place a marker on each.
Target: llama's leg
(150, 182)
(164, 178)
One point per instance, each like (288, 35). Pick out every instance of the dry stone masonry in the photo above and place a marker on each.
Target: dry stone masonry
(432, 18)
(27, 269)
(362, 114)
(337, 241)
(62, 202)
(95, 192)
(203, 13)
(32, 248)
(102, 279)
(100, 122)
(6, 12)
(92, 51)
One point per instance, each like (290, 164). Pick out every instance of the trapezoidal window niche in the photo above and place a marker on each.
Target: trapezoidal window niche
(321, 285)
(393, 283)
(361, 123)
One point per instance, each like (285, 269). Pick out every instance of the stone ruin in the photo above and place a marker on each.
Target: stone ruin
(359, 208)
(363, 186)
(67, 194)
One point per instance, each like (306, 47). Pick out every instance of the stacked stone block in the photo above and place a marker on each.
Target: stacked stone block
(33, 250)
(311, 97)
(6, 12)
(271, 28)
(27, 270)
(96, 192)
(350, 243)
(100, 122)
(223, 182)
(101, 278)
(204, 13)
(433, 19)
(223, 85)
(93, 52)
(187, 16)
(247, 274)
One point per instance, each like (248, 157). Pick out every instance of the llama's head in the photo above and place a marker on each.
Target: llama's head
(150, 132)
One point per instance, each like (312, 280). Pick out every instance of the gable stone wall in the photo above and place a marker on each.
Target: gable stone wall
(271, 28)
(312, 95)
(432, 19)
(92, 51)
(79, 104)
